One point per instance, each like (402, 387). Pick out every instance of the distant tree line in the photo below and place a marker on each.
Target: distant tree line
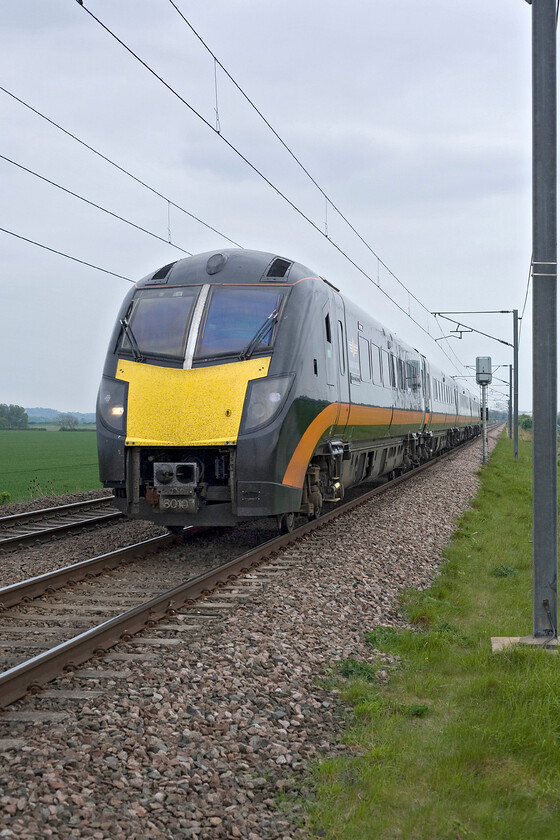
(13, 417)
(67, 422)
(526, 421)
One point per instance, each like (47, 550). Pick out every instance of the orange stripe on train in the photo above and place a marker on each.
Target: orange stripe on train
(356, 415)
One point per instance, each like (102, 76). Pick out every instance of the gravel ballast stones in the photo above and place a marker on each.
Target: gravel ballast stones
(195, 730)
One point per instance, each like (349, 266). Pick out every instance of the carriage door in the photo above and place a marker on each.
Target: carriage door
(329, 339)
(342, 362)
(425, 376)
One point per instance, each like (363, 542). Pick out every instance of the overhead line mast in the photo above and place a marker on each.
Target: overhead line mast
(544, 270)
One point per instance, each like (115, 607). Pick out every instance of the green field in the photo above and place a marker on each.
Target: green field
(36, 464)
(461, 744)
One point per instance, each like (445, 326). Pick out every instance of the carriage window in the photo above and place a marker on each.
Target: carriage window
(365, 366)
(385, 367)
(412, 376)
(376, 365)
(393, 370)
(400, 369)
(328, 328)
(237, 316)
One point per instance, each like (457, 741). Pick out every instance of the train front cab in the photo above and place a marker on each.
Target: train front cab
(181, 358)
(196, 412)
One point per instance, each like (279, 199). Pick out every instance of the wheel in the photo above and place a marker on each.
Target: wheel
(286, 523)
(317, 507)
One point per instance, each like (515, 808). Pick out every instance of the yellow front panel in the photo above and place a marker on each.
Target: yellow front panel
(196, 407)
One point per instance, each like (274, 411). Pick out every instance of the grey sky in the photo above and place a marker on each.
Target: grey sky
(414, 117)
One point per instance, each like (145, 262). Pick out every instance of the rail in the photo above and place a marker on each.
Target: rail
(49, 523)
(32, 674)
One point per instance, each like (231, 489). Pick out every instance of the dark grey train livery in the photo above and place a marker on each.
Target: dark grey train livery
(239, 384)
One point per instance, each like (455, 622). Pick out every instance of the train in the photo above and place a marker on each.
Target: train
(239, 384)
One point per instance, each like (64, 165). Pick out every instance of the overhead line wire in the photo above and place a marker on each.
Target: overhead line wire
(62, 254)
(525, 301)
(258, 172)
(294, 156)
(200, 117)
(93, 204)
(306, 171)
(118, 166)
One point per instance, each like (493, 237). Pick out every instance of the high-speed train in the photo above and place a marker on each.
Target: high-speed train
(240, 384)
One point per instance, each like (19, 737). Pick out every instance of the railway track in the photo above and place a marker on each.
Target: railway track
(33, 673)
(52, 523)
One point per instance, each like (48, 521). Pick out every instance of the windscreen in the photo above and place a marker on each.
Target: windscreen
(239, 320)
(159, 321)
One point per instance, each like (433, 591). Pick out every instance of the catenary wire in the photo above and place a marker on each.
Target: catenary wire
(118, 166)
(260, 174)
(93, 204)
(305, 170)
(62, 254)
(329, 201)
(525, 302)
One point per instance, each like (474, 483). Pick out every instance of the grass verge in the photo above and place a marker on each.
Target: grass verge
(36, 464)
(461, 743)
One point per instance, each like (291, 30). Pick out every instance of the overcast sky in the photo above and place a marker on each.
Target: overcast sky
(413, 117)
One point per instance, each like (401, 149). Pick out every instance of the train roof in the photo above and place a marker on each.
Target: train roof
(240, 266)
(231, 266)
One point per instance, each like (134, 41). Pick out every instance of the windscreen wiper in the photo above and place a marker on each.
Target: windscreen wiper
(260, 334)
(127, 329)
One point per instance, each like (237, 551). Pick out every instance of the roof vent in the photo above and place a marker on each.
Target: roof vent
(216, 263)
(161, 275)
(279, 268)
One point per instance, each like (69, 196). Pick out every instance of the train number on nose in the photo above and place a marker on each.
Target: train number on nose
(174, 503)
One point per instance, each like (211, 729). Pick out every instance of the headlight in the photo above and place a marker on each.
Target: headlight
(111, 404)
(265, 398)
